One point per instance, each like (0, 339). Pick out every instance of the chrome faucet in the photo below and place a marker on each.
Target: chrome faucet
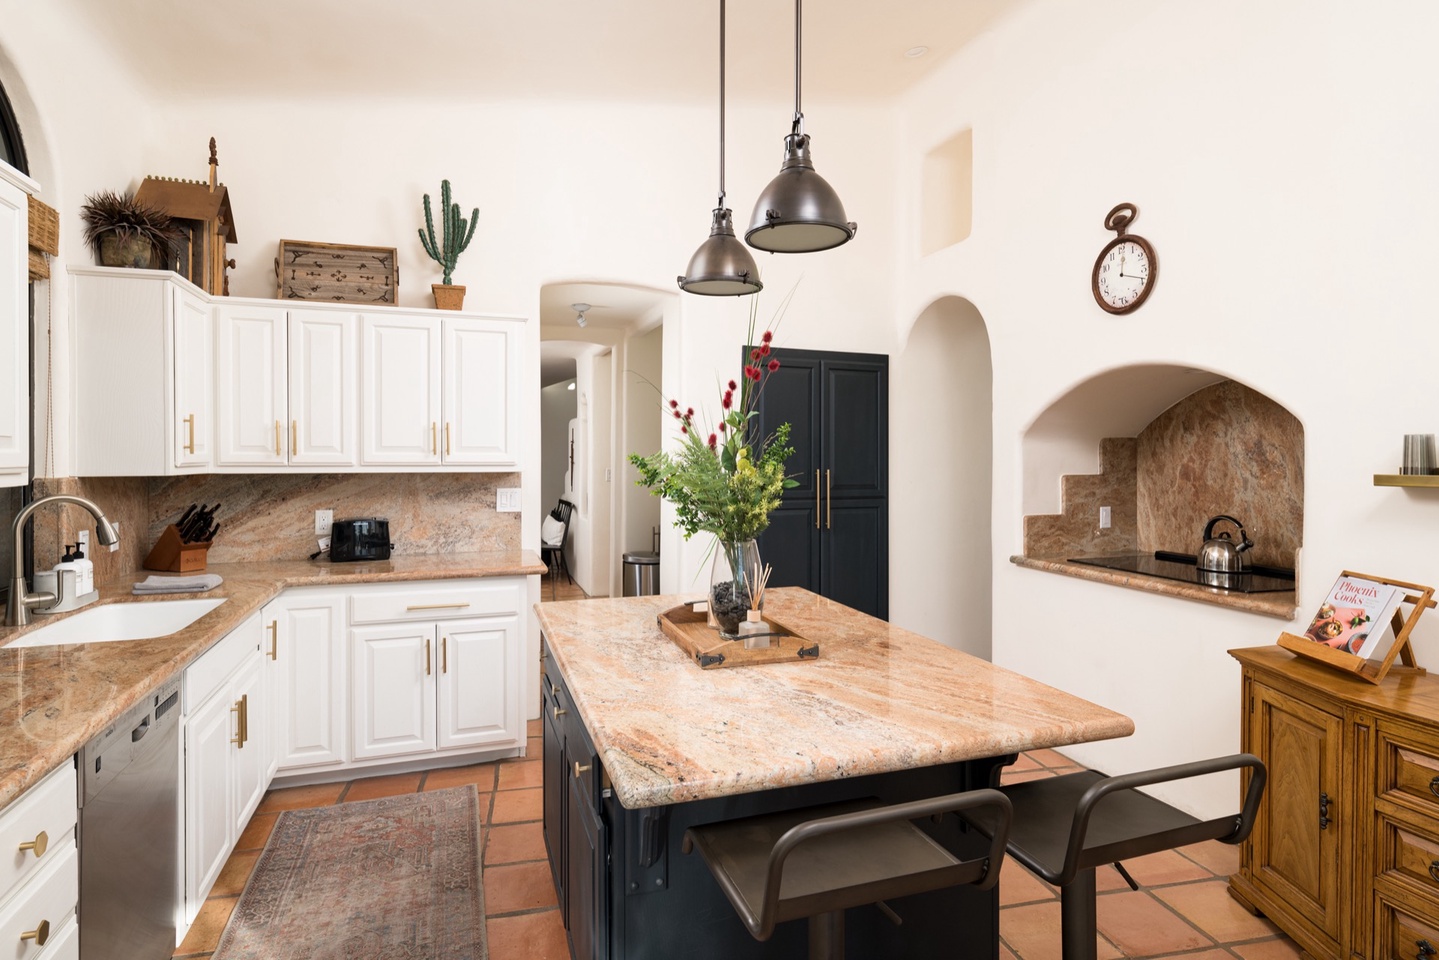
(17, 614)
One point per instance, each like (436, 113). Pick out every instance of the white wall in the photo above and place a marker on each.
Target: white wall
(557, 409)
(1280, 155)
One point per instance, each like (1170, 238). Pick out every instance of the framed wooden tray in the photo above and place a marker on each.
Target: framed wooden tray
(308, 270)
(704, 645)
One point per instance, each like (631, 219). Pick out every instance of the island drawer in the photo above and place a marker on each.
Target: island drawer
(43, 820)
(399, 602)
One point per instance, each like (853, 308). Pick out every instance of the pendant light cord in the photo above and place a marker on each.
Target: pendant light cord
(721, 145)
(798, 113)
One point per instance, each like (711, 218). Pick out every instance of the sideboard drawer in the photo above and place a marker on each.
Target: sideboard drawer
(1411, 857)
(1403, 936)
(401, 602)
(1409, 769)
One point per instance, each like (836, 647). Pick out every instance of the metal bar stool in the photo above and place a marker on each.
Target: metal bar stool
(1065, 827)
(819, 861)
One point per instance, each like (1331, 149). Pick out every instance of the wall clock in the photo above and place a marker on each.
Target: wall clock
(1125, 271)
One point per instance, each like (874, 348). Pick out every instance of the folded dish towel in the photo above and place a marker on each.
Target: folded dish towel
(196, 584)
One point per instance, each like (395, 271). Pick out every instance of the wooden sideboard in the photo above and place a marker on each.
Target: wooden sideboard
(1345, 854)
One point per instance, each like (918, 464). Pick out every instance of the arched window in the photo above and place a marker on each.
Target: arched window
(12, 147)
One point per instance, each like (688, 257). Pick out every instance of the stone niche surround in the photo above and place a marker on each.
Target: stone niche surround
(1224, 449)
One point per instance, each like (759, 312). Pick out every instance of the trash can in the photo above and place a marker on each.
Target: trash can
(641, 574)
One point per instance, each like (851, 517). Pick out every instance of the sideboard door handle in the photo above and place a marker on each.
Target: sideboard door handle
(1434, 786)
(1434, 870)
(1426, 950)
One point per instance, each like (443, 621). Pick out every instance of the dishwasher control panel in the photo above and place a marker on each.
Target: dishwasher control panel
(115, 747)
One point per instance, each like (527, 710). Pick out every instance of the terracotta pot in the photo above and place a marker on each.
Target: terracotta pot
(133, 251)
(448, 296)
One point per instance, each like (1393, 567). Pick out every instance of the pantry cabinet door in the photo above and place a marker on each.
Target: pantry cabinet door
(14, 337)
(192, 329)
(400, 381)
(481, 379)
(324, 370)
(393, 689)
(478, 690)
(250, 386)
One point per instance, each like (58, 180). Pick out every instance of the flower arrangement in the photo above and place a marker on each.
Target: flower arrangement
(727, 480)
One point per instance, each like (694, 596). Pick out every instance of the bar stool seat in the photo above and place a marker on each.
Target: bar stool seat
(818, 862)
(1064, 827)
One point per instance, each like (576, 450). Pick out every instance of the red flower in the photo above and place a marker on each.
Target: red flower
(677, 415)
(764, 350)
(768, 336)
(674, 403)
(733, 385)
(728, 400)
(714, 440)
(684, 429)
(773, 366)
(754, 354)
(751, 372)
(689, 412)
(721, 426)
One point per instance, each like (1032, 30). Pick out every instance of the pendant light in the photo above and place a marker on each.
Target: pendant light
(798, 212)
(721, 267)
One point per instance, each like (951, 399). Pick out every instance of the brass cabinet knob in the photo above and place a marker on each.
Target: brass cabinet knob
(581, 768)
(40, 844)
(560, 711)
(40, 934)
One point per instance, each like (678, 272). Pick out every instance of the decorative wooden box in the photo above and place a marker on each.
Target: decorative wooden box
(307, 270)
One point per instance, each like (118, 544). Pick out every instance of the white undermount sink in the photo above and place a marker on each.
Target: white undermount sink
(120, 621)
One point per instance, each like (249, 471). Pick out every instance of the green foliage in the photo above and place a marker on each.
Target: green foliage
(456, 238)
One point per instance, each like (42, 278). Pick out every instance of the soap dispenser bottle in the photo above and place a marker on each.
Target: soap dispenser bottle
(84, 572)
(67, 562)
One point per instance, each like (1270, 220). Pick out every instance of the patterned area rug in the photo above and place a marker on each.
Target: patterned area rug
(390, 879)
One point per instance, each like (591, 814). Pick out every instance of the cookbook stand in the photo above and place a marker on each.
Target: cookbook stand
(1421, 599)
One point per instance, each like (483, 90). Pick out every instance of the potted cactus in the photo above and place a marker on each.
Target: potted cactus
(446, 250)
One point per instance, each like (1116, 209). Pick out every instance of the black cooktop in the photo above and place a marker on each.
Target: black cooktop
(1182, 567)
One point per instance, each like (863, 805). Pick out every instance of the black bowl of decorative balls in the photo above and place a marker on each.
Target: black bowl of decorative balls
(729, 601)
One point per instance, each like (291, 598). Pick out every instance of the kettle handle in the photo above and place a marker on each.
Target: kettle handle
(1246, 543)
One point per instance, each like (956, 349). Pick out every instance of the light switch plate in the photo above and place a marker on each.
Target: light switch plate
(507, 500)
(324, 520)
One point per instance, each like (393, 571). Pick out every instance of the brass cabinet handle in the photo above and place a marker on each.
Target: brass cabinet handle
(294, 438)
(434, 442)
(828, 501)
(274, 639)
(239, 738)
(444, 654)
(278, 452)
(190, 421)
(40, 844)
(40, 934)
(816, 498)
(244, 719)
(580, 768)
(560, 711)
(427, 656)
(438, 606)
(447, 438)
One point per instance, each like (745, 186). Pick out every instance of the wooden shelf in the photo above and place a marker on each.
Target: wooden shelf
(1406, 480)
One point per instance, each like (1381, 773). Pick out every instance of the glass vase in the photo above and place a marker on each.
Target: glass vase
(732, 571)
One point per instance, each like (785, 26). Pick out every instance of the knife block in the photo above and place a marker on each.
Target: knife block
(172, 554)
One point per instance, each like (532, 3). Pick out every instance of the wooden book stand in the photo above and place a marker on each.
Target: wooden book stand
(1421, 599)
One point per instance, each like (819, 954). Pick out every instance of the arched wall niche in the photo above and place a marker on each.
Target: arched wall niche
(1166, 448)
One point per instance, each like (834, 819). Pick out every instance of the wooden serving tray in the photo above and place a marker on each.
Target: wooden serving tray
(703, 643)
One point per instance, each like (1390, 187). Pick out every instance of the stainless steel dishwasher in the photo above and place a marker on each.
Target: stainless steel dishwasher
(130, 833)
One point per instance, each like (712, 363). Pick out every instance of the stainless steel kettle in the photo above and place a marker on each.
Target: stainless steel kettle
(1220, 554)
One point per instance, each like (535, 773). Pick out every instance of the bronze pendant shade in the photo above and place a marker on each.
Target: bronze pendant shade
(722, 266)
(798, 212)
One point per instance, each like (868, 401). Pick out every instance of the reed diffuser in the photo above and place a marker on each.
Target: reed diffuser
(753, 630)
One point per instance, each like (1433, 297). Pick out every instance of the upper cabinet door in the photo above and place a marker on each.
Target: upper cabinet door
(323, 372)
(194, 379)
(481, 361)
(14, 337)
(400, 422)
(250, 386)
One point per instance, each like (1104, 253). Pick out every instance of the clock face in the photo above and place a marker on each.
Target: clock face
(1124, 274)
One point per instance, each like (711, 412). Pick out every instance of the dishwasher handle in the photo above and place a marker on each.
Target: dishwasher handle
(139, 732)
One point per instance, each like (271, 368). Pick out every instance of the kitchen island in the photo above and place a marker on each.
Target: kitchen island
(640, 743)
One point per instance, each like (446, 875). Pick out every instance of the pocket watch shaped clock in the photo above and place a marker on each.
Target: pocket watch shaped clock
(1125, 271)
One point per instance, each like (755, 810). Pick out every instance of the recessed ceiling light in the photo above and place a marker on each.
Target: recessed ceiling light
(914, 53)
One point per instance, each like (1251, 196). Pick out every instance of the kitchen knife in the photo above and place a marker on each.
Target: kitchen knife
(186, 515)
(192, 526)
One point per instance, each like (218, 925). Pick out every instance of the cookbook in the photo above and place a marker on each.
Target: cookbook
(1354, 615)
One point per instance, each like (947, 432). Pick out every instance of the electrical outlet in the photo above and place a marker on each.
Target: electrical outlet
(324, 520)
(1104, 518)
(82, 538)
(507, 500)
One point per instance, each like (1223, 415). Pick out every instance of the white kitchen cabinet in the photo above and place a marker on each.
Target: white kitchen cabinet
(400, 358)
(309, 682)
(15, 189)
(323, 398)
(250, 384)
(481, 387)
(477, 686)
(393, 690)
(40, 881)
(226, 754)
(144, 374)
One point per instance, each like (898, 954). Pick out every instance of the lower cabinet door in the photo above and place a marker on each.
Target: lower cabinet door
(304, 645)
(393, 689)
(555, 786)
(585, 876)
(251, 755)
(477, 687)
(209, 795)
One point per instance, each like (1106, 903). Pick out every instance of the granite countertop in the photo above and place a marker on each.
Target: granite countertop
(54, 699)
(1281, 605)
(878, 699)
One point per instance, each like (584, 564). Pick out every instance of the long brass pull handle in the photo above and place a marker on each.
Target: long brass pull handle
(427, 656)
(444, 654)
(437, 606)
(40, 844)
(434, 441)
(447, 438)
(278, 452)
(239, 738)
(274, 639)
(294, 437)
(560, 712)
(580, 768)
(828, 501)
(190, 422)
(244, 719)
(816, 499)
(40, 934)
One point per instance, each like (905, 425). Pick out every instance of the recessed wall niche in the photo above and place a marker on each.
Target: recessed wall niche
(947, 206)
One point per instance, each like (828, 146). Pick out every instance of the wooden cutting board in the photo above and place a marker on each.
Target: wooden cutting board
(704, 645)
